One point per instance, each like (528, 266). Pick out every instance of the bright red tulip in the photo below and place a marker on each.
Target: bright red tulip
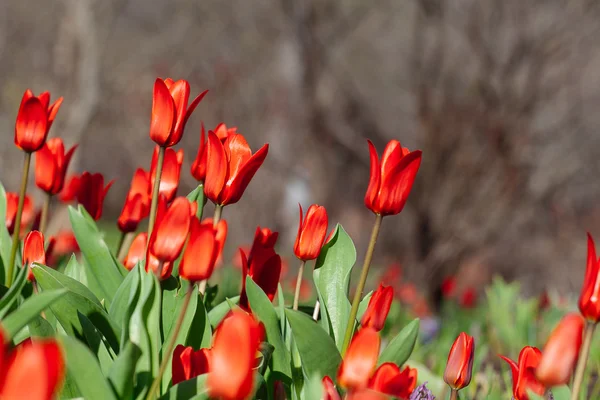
(70, 189)
(561, 351)
(12, 203)
(63, 243)
(232, 358)
(448, 287)
(360, 360)
(51, 165)
(171, 230)
(230, 167)
(137, 202)
(523, 373)
(460, 362)
(199, 165)
(366, 394)
(390, 380)
(329, 390)
(392, 179)
(170, 110)
(201, 252)
(137, 251)
(33, 251)
(378, 308)
(169, 178)
(42, 356)
(91, 193)
(221, 236)
(311, 233)
(188, 363)
(468, 298)
(34, 120)
(589, 300)
(263, 244)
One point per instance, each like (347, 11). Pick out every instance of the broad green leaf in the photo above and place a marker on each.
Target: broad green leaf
(220, 311)
(5, 240)
(96, 343)
(105, 269)
(122, 372)
(561, 392)
(40, 327)
(189, 389)
(401, 347)
(30, 309)
(200, 323)
(263, 309)
(197, 195)
(125, 301)
(85, 371)
(362, 307)
(75, 301)
(313, 388)
(13, 293)
(317, 349)
(332, 277)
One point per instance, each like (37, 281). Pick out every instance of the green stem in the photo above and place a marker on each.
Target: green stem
(155, 191)
(45, 211)
(17, 226)
(119, 247)
(583, 358)
(166, 356)
(454, 394)
(122, 251)
(361, 283)
(217, 216)
(298, 284)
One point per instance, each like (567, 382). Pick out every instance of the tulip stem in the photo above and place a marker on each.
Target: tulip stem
(583, 358)
(298, 284)
(17, 225)
(453, 394)
(120, 244)
(217, 215)
(166, 355)
(124, 248)
(361, 283)
(155, 191)
(316, 311)
(45, 211)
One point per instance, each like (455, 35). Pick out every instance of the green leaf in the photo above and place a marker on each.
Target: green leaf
(106, 270)
(220, 310)
(401, 347)
(29, 310)
(189, 389)
(332, 277)
(263, 309)
(39, 327)
(122, 372)
(75, 301)
(96, 343)
(362, 307)
(317, 349)
(313, 388)
(561, 392)
(85, 371)
(5, 240)
(125, 301)
(200, 323)
(9, 298)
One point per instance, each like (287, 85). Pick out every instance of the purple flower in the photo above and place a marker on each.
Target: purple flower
(422, 393)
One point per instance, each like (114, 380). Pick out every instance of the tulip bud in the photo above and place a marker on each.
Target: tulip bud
(33, 251)
(34, 120)
(378, 308)
(311, 233)
(460, 362)
(51, 165)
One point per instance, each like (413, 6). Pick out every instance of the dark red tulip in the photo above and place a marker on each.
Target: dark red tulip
(91, 193)
(199, 165)
(137, 202)
(34, 120)
(230, 167)
(378, 308)
(169, 178)
(171, 230)
(33, 252)
(188, 363)
(232, 358)
(589, 299)
(311, 233)
(137, 251)
(468, 298)
(201, 252)
(170, 110)
(448, 287)
(51, 165)
(360, 360)
(523, 373)
(392, 179)
(388, 379)
(459, 367)
(28, 216)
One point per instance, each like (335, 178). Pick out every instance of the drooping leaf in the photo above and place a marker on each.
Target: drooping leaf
(30, 309)
(401, 346)
(122, 372)
(13, 293)
(40, 327)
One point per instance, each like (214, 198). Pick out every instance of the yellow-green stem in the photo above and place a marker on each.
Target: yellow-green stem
(361, 283)
(122, 251)
(155, 191)
(298, 284)
(217, 216)
(316, 310)
(120, 244)
(166, 355)
(17, 225)
(583, 358)
(45, 211)
(453, 394)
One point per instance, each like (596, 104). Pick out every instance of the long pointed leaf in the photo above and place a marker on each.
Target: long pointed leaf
(30, 309)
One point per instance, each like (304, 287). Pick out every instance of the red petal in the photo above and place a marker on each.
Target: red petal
(163, 114)
(237, 184)
(137, 251)
(312, 236)
(216, 168)
(46, 170)
(180, 92)
(33, 251)
(170, 234)
(397, 184)
(194, 104)
(374, 180)
(200, 253)
(32, 126)
(53, 110)
(360, 360)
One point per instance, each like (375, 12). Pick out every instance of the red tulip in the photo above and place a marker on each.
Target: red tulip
(169, 178)
(220, 236)
(63, 243)
(34, 120)
(589, 300)
(170, 110)
(468, 298)
(448, 287)
(91, 193)
(232, 359)
(360, 360)
(263, 244)
(42, 356)
(188, 363)
(201, 252)
(230, 167)
(329, 390)
(390, 380)
(378, 308)
(137, 251)
(311, 233)
(561, 351)
(199, 165)
(51, 165)
(523, 373)
(12, 203)
(33, 251)
(70, 189)
(392, 179)
(137, 202)
(171, 230)
(460, 362)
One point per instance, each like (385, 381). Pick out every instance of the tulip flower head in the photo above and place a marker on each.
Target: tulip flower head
(169, 178)
(171, 230)
(51, 165)
(311, 233)
(388, 379)
(378, 308)
(589, 300)
(561, 351)
(34, 120)
(33, 251)
(360, 360)
(329, 390)
(391, 179)
(523, 373)
(201, 253)
(137, 251)
(188, 363)
(12, 203)
(91, 193)
(199, 165)
(137, 202)
(170, 110)
(230, 167)
(460, 362)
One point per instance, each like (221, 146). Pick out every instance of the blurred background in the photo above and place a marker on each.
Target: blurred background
(502, 96)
